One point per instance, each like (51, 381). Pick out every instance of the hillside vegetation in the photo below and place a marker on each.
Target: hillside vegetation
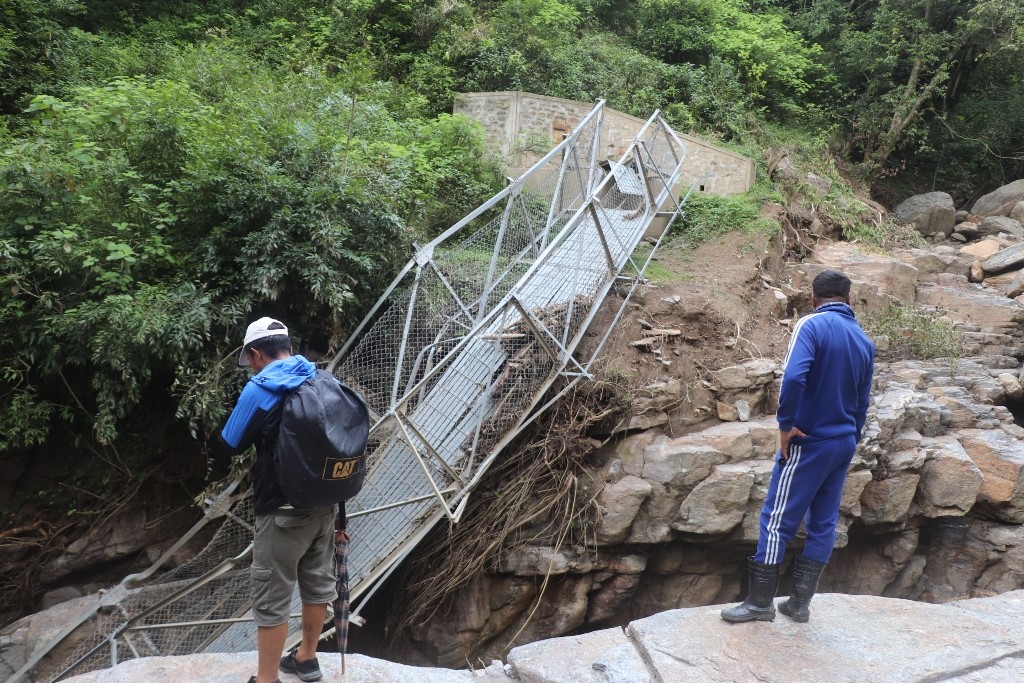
(169, 171)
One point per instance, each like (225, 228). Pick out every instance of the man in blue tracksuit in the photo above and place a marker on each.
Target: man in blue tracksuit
(291, 546)
(823, 403)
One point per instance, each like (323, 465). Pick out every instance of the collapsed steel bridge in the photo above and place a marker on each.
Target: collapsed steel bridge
(473, 340)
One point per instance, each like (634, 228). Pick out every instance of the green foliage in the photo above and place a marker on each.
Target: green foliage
(978, 142)
(142, 221)
(169, 170)
(904, 66)
(935, 84)
(776, 65)
(707, 216)
(657, 271)
(629, 80)
(33, 36)
(886, 235)
(719, 99)
(25, 422)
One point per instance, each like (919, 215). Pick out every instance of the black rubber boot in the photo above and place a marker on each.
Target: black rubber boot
(805, 581)
(759, 606)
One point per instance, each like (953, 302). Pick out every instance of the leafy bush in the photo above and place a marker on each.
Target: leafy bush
(913, 332)
(776, 66)
(707, 216)
(888, 234)
(143, 221)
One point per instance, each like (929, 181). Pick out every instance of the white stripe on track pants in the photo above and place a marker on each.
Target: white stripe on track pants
(808, 484)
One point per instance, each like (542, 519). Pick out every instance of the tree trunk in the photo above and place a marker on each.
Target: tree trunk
(910, 102)
(900, 122)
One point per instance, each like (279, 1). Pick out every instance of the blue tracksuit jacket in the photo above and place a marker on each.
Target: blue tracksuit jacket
(826, 379)
(255, 420)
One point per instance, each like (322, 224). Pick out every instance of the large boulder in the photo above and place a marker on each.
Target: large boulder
(1000, 457)
(610, 594)
(650, 404)
(969, 230)
(748, 375)
(961, 410)
(981, 250)
(930, 264)
(899, 408)
(878, 281)
(531, 559)
(974, 305)
(123, 535)
(619, 503)
(885, 501)
(597, 657)
(950, 481)
(871, 567)
(1015, 287)
(1008, 542)
(717, 504)
(854, 638)
(19, 641)
(958, 550)
(1017, 212)
(674, 466)
(819, 185)
(679, 465)
(853, 488)
(993, 225)
(230, 668)
(780, 165)
(1000, 202)
(930, 213)
(1011, 257)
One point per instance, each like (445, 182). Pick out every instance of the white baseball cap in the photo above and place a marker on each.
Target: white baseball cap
(259, 330)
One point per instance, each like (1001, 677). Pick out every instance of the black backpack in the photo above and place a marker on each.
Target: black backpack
(321, 446)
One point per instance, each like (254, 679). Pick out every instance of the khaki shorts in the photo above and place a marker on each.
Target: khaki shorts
(290, 546)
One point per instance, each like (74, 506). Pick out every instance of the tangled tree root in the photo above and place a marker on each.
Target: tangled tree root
(538, 492)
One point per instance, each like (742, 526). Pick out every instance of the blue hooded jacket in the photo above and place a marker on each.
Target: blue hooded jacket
(256, 418)
(826, 380)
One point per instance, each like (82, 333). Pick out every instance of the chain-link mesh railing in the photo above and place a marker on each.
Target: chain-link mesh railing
(195, 599)
(454, 361)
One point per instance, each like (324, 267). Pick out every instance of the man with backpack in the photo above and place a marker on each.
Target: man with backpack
(280, 411)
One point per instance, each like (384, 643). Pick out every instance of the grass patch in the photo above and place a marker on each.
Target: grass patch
(890, 234)
(903, 332)
(657, 271)
(707, 216)
(660, 274)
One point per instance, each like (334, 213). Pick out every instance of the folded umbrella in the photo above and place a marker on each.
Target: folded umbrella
(341, 575)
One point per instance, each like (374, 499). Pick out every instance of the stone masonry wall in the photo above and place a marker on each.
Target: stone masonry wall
(522, 127)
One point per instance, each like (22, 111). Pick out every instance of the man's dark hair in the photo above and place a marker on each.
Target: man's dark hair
(830, 284)
(274, 345)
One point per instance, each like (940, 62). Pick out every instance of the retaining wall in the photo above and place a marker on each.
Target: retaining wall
(522, 127)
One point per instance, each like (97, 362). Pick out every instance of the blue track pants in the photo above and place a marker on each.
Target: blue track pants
(808, 484)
